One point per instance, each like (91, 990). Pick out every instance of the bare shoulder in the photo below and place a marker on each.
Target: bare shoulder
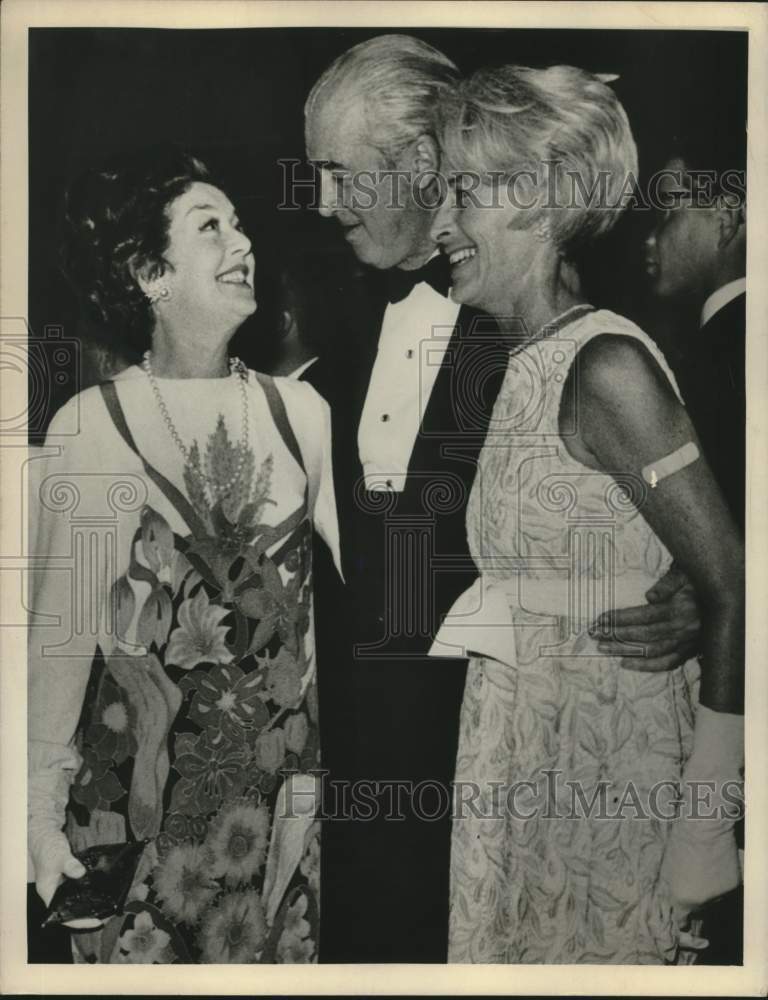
(81, 415)
(614, 366)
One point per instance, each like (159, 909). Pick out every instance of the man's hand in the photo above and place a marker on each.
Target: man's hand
(668, 627)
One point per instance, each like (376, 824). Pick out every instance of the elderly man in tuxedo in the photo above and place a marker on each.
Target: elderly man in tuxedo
(696, 259)
(411, 400)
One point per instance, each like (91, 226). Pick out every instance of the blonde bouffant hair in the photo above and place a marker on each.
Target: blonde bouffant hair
(515, 119)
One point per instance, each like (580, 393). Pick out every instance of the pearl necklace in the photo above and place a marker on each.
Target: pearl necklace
(563, 319)
(553, 326)
(236, 370)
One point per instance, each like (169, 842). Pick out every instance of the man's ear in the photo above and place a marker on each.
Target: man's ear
(424, 154)
(730, 222)
(288, 324)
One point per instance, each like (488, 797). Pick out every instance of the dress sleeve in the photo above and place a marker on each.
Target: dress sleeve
(68, 583)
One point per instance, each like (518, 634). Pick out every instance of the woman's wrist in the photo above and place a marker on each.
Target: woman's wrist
(721, 691)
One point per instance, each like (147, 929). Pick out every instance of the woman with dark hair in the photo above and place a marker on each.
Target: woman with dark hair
(590, 482)
(174, 702)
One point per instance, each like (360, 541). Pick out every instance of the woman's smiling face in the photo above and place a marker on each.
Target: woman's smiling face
(211, 263)
(483, 230)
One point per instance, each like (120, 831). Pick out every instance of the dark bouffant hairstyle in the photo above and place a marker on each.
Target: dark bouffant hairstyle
(116, 223)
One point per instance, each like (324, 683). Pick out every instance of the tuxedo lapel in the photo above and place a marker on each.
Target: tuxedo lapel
(465, 390)
(368, 347)
(724, 338)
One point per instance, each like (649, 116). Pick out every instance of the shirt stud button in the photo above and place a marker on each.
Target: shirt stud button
(384, 417)
(389, 484)
(409, 353)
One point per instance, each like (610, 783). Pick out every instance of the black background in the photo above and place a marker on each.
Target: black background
(236, 98)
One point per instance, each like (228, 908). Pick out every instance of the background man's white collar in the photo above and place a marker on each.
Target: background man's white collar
(721, 298)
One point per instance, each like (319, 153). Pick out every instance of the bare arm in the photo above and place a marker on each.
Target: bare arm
(629, 417)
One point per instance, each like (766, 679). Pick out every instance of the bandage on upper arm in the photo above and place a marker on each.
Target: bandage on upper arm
(654, 472)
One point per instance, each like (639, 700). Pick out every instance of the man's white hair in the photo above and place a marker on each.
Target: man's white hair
(400, 79)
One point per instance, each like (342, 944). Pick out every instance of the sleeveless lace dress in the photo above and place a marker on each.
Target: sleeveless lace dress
(566, 763)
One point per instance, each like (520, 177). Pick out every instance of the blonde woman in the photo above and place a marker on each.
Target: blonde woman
(589, 484)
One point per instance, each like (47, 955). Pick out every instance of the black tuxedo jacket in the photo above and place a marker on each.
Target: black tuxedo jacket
(405, 555)
(712, 384)
(390, 712)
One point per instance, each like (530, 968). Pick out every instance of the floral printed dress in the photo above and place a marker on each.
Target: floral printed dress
(567, 763)
(199, 725)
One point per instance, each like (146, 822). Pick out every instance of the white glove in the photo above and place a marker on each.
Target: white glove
(690, 943)
(701, 860)
(52, 768)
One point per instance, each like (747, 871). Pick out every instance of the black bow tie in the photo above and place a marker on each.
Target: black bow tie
(436, 272)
